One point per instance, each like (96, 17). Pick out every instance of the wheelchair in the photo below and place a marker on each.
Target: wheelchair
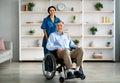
(57, 64)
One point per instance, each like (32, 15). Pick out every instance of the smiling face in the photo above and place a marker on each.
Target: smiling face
(52, 11)
(60, 26)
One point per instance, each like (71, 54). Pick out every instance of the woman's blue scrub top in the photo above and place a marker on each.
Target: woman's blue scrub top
(49, 26)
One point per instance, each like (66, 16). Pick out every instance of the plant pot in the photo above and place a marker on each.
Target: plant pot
(30, 8)
(77, 44)
(108, 44)
(73, 21)
(98, 9)
(31, 33)
(93, 32)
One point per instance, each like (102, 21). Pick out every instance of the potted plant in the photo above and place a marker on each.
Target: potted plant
(108, 44)
(98, 6)
(31, 31)
(73, 19)
(76, 42)
(30, 6)
(93, 30)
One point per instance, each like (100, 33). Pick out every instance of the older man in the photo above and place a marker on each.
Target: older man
(62, 42)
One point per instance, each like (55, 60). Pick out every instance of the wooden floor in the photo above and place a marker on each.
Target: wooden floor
(31, 72)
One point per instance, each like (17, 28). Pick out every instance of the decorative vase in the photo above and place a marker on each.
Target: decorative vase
(72, 9)
(110, 32)
(39, 43)
(91, 44)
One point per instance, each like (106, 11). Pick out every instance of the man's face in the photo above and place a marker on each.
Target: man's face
(59, 26)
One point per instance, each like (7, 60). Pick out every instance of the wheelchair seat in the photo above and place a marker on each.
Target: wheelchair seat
(57, 65)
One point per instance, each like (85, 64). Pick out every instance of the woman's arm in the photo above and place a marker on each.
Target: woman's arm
(45, 34)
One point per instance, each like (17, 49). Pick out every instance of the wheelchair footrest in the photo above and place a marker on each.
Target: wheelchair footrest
(59, 69)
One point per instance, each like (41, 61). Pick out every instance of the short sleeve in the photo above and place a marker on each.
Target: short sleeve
(57, 19)
(44, 24)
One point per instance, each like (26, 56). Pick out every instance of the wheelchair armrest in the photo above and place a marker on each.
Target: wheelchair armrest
(53, 52)
(71, 48)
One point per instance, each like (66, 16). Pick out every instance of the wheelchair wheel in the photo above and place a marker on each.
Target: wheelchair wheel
(83, 76)
(61, 79)
(51, 65)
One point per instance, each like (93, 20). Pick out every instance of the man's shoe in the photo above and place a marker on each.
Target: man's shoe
(78, 74)
(70, 75)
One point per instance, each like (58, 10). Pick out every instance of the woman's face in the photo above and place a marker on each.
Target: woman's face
(52, 11)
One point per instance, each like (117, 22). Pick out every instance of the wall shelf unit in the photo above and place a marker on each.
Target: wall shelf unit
(98, 11)
(86, 16)
(98, 47)
(32, 48)
(93, 36)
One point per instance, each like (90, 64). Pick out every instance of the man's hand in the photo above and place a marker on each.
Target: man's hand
(59, 51)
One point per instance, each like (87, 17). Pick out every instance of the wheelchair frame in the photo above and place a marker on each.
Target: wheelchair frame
(55, 62)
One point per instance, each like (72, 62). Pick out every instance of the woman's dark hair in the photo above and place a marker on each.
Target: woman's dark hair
(51, 7)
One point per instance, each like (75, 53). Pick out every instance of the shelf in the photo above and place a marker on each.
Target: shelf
(98, 0)
(98, 35)
(31, 48)
(68, 0)
(75, 36)
(98, 47)
(88, 11)
(38, 0)
(31, 59)
(98, 23)
(73, 23)
(29, 36)
(38, 24)
(70, 12)
(105, 59)
(43, 12)
(31, 24)
(33, 12)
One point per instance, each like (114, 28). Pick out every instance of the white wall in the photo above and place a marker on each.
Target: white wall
(117, 51)
(9, 25)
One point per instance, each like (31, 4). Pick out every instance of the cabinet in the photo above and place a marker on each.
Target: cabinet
(86, 16)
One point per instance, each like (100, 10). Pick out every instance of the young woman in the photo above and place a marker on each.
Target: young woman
(48, 26)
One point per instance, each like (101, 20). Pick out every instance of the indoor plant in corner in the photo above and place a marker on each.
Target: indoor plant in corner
(30, 6)
(93, 30)
(98, 6)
